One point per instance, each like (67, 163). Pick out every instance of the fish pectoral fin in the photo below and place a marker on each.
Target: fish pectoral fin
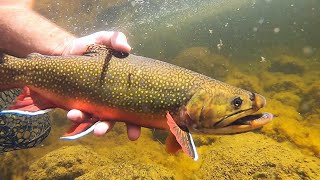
(79, 130)
(182, 137)
(29, 103)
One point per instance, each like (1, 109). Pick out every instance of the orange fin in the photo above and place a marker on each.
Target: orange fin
(79, 130)
(184, 138)
(172, 146)
(30, 101)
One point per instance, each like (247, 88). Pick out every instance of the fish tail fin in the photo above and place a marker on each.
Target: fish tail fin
(29, 103)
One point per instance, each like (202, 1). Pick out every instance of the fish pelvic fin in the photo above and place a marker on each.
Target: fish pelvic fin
(182, 137)
(79, 130)
(29, 102)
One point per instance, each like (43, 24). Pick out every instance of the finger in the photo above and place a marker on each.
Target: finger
(119, 42)
(133, 131)
(102, 128)
(116, 40)
(17, 3)
(77, 116)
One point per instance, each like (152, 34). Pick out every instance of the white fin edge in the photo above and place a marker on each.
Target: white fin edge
(196, 156)
(25, 113)
(76, 136)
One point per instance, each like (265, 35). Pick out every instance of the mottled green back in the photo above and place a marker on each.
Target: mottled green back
(133, 83)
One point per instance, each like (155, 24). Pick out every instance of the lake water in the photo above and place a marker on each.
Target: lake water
(266, 46)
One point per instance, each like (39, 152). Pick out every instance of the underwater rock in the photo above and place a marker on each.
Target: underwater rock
(255, 156)
(201, 60)
(288, 65)
(288, 98)
(290, 125)
(13, 164)
(65, 163)
(280, 82)
(241, 80)
(310, 106)
(311, 98)
(129, 171)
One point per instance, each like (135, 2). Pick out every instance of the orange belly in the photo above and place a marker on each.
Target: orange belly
(103, 112)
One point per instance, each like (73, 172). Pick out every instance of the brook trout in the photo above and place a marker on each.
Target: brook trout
(116, 86)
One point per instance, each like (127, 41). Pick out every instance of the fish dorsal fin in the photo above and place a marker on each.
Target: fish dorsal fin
(183, 137)
(102, 50)
(97, 50)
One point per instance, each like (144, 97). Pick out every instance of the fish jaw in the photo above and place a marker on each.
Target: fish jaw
(245, 124)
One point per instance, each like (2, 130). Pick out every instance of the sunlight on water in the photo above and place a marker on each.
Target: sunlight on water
(269, 47)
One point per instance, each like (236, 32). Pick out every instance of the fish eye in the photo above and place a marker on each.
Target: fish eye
(237, 102)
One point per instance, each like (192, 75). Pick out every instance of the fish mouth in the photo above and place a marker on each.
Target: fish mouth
(256, 120)
(243, 124)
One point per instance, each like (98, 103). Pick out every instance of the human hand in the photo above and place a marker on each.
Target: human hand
(115, 40)
(78, 46)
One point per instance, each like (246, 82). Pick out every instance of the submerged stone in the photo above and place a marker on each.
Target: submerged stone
(65, 163)
(129, 171)
(288, 65)
(255, 156)
(201, 60)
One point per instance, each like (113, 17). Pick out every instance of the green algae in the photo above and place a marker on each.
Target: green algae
(244, 80)
(65, 163)
(246, 156)
(254, 156)
(130, 171)
(200, 59)
(287, 149)
(287, 64)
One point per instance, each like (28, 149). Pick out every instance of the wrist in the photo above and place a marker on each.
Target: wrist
(23, 31)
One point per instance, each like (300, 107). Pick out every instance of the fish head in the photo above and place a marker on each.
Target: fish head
(226, 111)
